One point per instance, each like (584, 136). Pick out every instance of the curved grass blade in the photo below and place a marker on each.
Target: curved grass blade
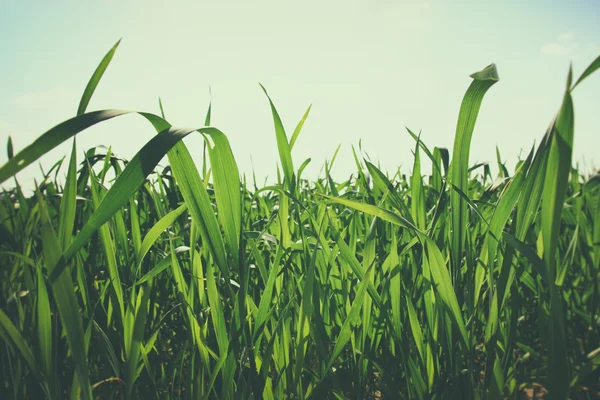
(95, 79)
(132, 177)
(384, 184)
(54, 137)
(157, 269)
(158, 228)
(588, 71)
(375, 211)
(469, 109)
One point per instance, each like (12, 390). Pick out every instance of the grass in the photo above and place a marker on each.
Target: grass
(181, 282)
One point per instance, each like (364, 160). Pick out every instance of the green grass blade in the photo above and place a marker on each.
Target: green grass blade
(588, 71)
(557, 179)
(469, 109)
(384, 184)
(375, 211)
(395, 289)
(67, 203)
(303, 324)
(216, 312)
(443, 285)
(158, 228)
(136, 233)
(199, 205)
(265, 301)
(417, 192)
(555, 190)
(9, 148)
(109, 246)
(95, 79)
(426, 150)
(44, 327)
(228, 195)
(53, 138)
(346, 329)
(504, 207)
(285, 151)
(299, 128)
(137, 337)
(415, 326)
(157, 269)
(66, 302)
(533, 187)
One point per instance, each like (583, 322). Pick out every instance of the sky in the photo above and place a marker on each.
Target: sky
(369, 68)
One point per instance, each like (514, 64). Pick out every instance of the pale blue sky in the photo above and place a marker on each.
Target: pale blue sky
(368, 67)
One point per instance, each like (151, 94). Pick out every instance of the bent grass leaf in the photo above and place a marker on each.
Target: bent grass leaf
(469, 109)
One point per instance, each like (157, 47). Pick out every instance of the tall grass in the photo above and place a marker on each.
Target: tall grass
(184, 283)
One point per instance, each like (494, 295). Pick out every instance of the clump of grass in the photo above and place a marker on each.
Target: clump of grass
(187, 283)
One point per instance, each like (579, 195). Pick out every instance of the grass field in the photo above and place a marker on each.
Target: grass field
(191, 282)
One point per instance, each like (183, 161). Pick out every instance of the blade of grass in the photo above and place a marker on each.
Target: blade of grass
(299, 128)
(95, 79)
(66, 302)
(285, 151)
(469, 109)
(155, 232)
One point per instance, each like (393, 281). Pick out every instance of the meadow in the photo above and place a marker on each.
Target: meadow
(128, 280)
